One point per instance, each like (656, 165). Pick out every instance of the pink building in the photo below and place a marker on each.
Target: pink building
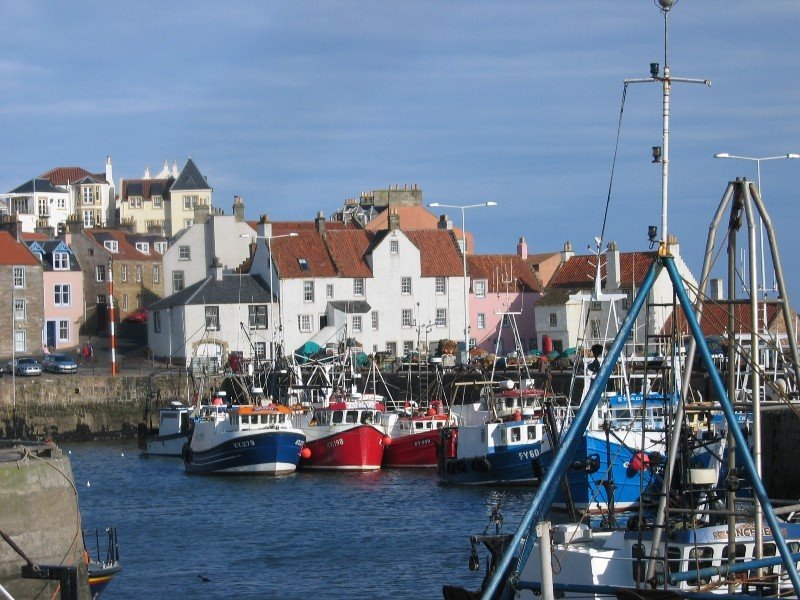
(501, 284)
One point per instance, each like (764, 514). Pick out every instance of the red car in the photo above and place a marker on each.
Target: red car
(137, 316)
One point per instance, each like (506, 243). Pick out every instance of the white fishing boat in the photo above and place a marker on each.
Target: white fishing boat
(175, 423)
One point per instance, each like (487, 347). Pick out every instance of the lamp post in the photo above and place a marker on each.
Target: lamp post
(269, 239)
(758, 161)
(463, 208)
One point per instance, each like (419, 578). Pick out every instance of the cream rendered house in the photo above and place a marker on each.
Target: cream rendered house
(190, 189)
(143, 203)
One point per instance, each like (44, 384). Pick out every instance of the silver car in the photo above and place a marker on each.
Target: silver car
(26, 367)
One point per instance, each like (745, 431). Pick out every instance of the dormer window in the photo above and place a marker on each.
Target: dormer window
(303, 264)
(143, 247)
(111, 245)
(60, 261)
(160, 247)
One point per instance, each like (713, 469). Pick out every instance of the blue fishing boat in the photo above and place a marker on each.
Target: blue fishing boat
(244, 439)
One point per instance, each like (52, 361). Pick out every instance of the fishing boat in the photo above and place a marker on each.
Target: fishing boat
(174, 427)
(102, 565)
(243, 439)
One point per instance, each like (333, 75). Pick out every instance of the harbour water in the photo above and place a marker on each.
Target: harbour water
(383, 534)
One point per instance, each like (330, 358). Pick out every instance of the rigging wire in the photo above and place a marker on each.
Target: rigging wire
(613, 168)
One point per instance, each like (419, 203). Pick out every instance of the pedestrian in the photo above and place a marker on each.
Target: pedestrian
(86, 353)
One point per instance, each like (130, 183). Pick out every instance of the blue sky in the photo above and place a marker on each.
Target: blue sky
(298, 105)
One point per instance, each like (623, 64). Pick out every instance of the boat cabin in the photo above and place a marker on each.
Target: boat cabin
(346, 416)
(420, 424)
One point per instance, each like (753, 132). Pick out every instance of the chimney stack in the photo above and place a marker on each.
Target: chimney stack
(445, 223)
(394, 220)
(44, 228)
(613, 271)
(264, 227)
(522, 249)
(716, 289)
(200, 213)
(238, 209)
(319, 222)
(216, 266)
(567, 252)
(13, 226)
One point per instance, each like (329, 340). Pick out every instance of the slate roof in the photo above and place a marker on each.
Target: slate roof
(190, 178)
(499, 268)
(47, 248)
(43, 185)
(231, 289)
(352, 307)
(146, 188)
(579, 271)
(715, 318)
(15, 253)
(66, 175)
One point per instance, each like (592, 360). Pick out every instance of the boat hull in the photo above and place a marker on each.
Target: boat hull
(510, 466)
(166, 445)
(414, 450)
(100, 575)
(335, 448)
(262, 453)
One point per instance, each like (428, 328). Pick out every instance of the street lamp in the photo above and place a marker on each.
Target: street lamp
(269, 239)
(463, 209)
(758, 160)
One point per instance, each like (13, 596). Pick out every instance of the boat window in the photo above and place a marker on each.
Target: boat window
(516, 434)
(377, 416)
(509, 402)
(532, 432)
(366, 417)
(674, 559)
(351, 416)
(700, 558)
(439, 424)
(503, 437)
(338, 416)
(419, 425)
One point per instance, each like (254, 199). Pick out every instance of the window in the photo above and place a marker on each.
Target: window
(157, 202)
(596, 305)
(596, 328)
(184, 253)
(100, 273)
(123, 273)
(303, 263)
(358, 286)
(111, 245)
(62, 293)
(19, 277)
(157, 321)
(473, 342)
(177, 281)
(135, 202)
(143, 247)
(480, 289)
(88, 195)
(374, 320)
(440, 285)
(160, 247)
(391, 348)
(441, 317)
(19, 340)
(356, 323)
(138, 274)
(61, 203)
(63, 331)
(308, 291)
(189, 202)
(257, 316)
(481, 321)
(405, 285)
(124, 302)
(88, 218)
(260, 349)
(408, 347)
(156, 274)
(406, 318)
(553, 320)
(101, 298)
(212, 318)
(42, 207)
(60, 261)
(188, 223)
(329, 290)
(304, 323)
(394, 247)
(19, 309)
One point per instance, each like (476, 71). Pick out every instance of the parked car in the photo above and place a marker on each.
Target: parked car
(27, 367)
(59, 363)
(137, 316)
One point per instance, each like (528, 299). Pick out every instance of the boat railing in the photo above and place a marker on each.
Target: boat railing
(101, 545)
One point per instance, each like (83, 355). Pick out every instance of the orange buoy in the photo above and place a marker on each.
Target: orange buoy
(387, 441)
(640, 461)
(431, 412)
(305, 452)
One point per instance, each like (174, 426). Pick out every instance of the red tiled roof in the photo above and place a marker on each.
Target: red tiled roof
(126, 248)
(347, 248)
(13, 252)
(499, 268)
(578, 271)
(307, 246)
(65, 175)
(715, 318)
(34, 237)
(439, 252)
(414, 217)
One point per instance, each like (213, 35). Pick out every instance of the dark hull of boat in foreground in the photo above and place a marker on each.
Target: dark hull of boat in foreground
(264, 453)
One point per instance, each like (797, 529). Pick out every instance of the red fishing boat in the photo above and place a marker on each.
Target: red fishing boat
(414, 436)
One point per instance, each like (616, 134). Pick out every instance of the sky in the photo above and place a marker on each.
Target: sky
(296, 106)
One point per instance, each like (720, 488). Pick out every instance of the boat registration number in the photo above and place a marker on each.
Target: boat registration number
(335, 443)
(244, 444)
(419, 443)
(528, 454)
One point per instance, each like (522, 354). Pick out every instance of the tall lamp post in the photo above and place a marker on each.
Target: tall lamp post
(463, 209)
(269, 239)
(758, 161)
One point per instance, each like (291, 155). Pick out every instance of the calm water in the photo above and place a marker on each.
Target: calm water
(385, 534)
